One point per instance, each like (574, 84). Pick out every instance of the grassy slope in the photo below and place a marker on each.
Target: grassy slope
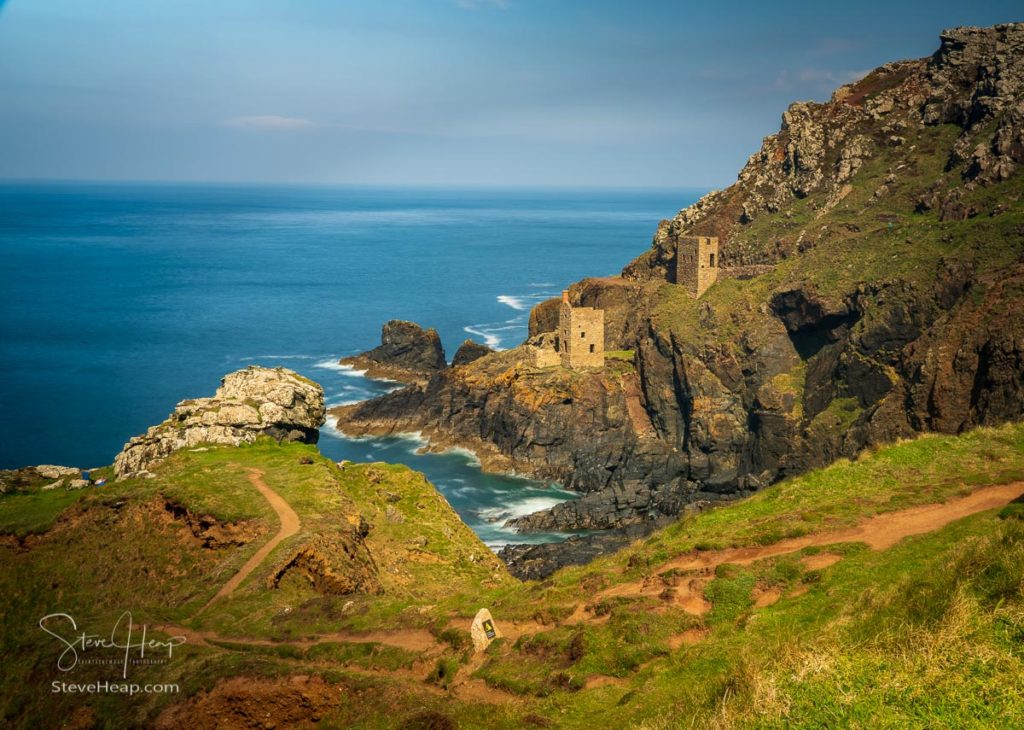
(926, 633)
(948, 606)
(863, 239)
(115, 549)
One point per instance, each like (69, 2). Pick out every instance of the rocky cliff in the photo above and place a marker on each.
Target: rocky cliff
(248, 404)
(468, 352)
(407, 353)
(873, 288)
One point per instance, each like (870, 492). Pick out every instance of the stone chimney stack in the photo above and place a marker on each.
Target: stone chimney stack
(565, 296)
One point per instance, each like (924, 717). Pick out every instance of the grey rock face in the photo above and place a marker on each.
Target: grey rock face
(250, 403)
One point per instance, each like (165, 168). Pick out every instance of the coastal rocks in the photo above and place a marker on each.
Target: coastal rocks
(468, 352)
(407, 353)
(968, 367)
(975, 81)
(977, 78)
(49, 471)
(537, 562)
(44, 477)
(863, 323)
(250, 403)
(36, 477)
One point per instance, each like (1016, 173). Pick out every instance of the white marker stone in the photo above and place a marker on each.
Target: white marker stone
(483, 630)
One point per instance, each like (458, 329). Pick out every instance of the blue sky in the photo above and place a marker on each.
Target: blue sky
(435, 92)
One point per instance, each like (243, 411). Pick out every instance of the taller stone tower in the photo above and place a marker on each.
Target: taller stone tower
(580, 340)
(697, 263)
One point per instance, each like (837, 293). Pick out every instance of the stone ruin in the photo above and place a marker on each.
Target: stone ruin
(697, 263)
(577, 343)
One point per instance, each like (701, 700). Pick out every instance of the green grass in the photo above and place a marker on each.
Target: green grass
(624, 355)
(845, 645)
(35, 512)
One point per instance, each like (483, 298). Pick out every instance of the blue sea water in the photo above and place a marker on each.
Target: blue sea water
(119, 300)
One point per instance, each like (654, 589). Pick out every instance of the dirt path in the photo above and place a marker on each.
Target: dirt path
(879, 532)
(416, 640)
(289, 526)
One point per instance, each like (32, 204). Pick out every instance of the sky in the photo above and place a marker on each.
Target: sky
(565, 93)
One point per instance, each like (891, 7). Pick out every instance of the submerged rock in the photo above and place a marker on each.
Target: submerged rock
(407, 353)
(250, 403)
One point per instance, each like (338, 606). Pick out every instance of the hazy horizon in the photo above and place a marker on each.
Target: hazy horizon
(410, 93)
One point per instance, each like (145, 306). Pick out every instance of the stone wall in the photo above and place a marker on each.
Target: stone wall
(581, 336)
(697, 263)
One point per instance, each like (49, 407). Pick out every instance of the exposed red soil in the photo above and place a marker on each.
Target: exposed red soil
(289, 526)
(257, 703)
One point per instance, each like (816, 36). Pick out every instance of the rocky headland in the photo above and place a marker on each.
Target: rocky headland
(249, 404)
(407, 353)
(872, 288)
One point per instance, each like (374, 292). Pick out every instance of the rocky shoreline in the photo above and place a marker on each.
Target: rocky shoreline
(856, 309)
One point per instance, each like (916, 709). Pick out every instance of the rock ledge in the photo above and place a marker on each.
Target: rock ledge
(250, 403)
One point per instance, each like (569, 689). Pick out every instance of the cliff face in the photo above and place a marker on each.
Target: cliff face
(873, 288)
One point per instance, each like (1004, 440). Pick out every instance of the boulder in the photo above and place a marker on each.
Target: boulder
(50, 471)
(468, 352)
(407, 353)
(250, 403)
(483, 630)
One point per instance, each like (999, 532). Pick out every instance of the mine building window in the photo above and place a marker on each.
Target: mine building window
(591, 348)
(582, 335)
(712, 260)
(556, 344)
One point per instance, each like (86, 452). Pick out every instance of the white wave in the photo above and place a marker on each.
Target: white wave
(279, 357)
(470, 455)
(512, 301)
(418, 444)
(339, 368)
(523, 302)
(518, 509)
(330, 428)
(491, 340)
(344, 402)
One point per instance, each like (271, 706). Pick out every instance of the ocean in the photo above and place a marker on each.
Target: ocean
(119, 300)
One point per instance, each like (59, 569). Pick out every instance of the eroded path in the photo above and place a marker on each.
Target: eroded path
(289, 526)
(414, 640)
(879, 532)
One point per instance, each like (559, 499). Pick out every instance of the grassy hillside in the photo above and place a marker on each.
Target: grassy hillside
(691, 623)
